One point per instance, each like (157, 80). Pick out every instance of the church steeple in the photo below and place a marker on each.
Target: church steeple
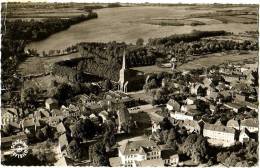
(123, 65)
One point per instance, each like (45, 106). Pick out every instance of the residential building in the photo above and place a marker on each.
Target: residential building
(51, 103)
(190, 100)
(251, 124)
(182, 115)
(192, 126)
(244, 135)
(133, 151)
(219, 134)
(236, 107)
(233, 124)
(173, 105)
(104, 115)
(9, 115)
(155, 126)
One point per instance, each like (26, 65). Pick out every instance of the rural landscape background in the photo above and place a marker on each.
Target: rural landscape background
(82, 82)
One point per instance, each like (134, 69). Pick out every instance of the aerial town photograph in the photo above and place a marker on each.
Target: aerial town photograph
(129, 84)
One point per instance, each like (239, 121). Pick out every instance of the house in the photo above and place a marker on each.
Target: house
(182, 115)
(169, 156)
(53, 121)
(104, 115)
(233, 124)
(236, 107)
(192, 126)
(225, 96)
(63, 143)
(155, 126)
(15, 127)
(30, 125)
(60, 128)
(41, 113)
(251, 124)
(219, 134)
(207, 82)
(173, 105)
(51, 103)
(9, 115)
(244, 135)
(133, 151)
(240, 98)
(252, 106)
(187, 108)
(198, 89)
(212, 108)
(190, 100)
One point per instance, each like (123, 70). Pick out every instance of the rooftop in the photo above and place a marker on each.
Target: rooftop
(219, 128)
(141, 146)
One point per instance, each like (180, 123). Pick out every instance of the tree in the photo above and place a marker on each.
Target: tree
(195, 146)
(165, 124)
(84, 129)
(98, 155)
(74, 150)
(45, 152)
(107, 85)
(139, 42)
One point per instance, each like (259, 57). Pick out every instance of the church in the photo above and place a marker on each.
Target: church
(129, 79)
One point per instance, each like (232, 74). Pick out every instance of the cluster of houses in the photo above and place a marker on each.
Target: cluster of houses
(53, 115)
(222, 95)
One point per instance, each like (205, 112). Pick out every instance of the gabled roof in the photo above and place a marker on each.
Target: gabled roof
(219, 128)
(134, 147)
(173, 102)
(250, 122)
(60, 128)
(233, 123)
(13, 111)
(51, 101)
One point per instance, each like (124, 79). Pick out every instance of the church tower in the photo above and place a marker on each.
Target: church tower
(122, 76)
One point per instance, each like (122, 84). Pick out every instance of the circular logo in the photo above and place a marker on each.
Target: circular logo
(19, 148)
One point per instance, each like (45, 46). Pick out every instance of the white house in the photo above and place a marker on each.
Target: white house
(133, 151)
(104, 115)
(181, 115)
(190, 100)
(219, 134)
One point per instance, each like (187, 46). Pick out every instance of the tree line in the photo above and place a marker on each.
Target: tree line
(176, 38)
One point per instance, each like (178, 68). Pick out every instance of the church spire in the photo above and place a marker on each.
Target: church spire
(123, 66)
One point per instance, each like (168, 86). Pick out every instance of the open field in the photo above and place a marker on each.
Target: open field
(127, 24)
(216, 59)
(151, 69)
(37, 65)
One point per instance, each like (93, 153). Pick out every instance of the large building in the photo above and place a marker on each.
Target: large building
(219, 134)
(133, 151)
(129, 79)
